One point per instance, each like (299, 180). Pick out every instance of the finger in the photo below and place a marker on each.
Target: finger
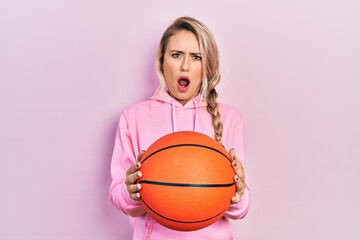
(232, 153)
(240, 185)
(239, 170)
(237, 164)
(235, 160)
(132, 178)
(140, 155)
(135, 196)
(133, 168)
(236, 199)
(133, 188)
(238, 194)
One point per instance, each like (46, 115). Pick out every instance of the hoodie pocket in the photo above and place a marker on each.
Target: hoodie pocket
(218, 231)
(155, 231)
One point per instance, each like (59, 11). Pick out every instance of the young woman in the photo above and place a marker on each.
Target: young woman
(187, 65)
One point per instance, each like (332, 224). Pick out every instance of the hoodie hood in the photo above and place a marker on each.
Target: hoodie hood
(195, 103)
(163, 96)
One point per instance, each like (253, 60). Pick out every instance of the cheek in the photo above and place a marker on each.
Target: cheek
(199, 71)
(168, 77)
(167, 69)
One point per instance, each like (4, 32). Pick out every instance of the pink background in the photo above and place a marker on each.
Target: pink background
(68, 68)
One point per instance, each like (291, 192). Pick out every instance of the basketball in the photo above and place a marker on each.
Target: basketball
(187, 182)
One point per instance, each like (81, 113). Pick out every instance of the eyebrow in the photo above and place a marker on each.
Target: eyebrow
(178, 51)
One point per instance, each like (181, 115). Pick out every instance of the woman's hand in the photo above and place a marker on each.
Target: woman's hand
(239, 177)
(132, 175)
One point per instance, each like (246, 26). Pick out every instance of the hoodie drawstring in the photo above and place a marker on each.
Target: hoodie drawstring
(196, 115)
(173, 116)
(174, 120)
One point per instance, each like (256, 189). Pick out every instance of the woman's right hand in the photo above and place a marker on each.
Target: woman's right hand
(132, 175)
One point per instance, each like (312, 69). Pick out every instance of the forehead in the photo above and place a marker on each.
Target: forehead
(183, 40)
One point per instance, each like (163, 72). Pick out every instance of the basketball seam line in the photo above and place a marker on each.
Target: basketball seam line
(185, 145)
(204, 185)
(178, 221)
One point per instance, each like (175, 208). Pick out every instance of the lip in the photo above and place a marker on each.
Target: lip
(183, 88)
(184, 77)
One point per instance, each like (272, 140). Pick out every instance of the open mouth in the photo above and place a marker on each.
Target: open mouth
(184, 81)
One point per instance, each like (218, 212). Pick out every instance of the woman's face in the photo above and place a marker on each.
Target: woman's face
(182, 66)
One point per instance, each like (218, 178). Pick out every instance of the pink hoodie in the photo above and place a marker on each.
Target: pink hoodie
(143, 123)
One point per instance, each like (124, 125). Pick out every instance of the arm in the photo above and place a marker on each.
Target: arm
(241, 201)
(123, 158)
(239, 210)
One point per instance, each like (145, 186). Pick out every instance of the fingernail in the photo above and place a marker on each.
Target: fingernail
(138, 186)
(235, 164)
(139, 174)
(236, 178)
(138, 165)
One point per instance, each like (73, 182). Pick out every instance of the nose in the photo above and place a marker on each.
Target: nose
(185, 65)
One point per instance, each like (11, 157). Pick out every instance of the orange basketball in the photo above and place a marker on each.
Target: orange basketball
(187, 182)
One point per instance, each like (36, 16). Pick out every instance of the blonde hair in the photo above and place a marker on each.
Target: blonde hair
(210, 64)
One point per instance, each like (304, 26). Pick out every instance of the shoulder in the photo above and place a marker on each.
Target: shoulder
(130, 113)
(136, 108)
(230, 112)
(146, 109)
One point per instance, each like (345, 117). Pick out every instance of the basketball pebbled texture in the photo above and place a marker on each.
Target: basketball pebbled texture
(187, 182)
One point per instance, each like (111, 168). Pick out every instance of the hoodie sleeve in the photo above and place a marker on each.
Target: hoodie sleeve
(123, 157)
(238, 211)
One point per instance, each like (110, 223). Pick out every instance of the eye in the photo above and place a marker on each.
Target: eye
(176, 55)
(197, 57)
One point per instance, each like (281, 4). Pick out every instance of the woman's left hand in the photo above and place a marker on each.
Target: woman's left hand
(239, 177)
